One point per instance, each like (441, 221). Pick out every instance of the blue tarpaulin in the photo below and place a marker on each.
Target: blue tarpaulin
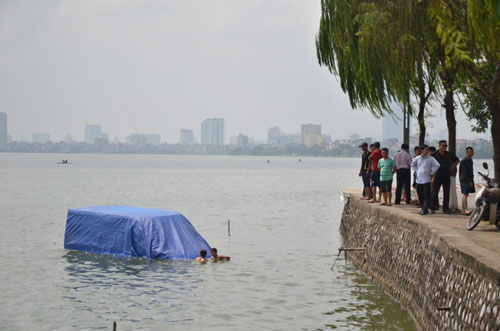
(133, 232)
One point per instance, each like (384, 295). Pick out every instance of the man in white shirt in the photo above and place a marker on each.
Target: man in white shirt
(426, 167)
(403, 175)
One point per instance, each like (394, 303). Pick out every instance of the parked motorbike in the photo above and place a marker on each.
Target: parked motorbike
(486, 203)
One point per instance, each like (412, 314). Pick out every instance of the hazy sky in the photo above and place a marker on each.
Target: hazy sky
(156, 66)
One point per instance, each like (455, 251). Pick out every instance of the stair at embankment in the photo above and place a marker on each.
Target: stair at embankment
(447, 277)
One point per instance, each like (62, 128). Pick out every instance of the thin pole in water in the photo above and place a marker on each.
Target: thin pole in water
(114, 326)
(229, 228)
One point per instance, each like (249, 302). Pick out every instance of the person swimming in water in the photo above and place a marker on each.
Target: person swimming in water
(203, 256)
(216, 257)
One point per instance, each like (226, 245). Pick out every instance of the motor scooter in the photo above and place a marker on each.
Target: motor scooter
(486, 203)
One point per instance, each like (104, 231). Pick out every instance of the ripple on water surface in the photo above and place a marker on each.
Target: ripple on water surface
(284, 224)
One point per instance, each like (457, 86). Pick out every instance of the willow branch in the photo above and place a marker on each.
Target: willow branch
(478, 79)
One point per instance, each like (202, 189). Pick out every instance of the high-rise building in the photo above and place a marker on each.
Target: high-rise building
(40, 138)
(317, 139)
(153, 138)
(136, 139)
(326, 138)
(3, 128)
(308, 129)
(187, 137)
(92, 132)
(290, 139)
(273, 135)
(392, 126)
(242, 140)
(212, 132)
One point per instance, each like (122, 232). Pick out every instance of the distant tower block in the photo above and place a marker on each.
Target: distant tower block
(187, 137)
(212, 132)
(3, 128)
(309, 129)
(393, 126)
(273, 136)
(92, 132)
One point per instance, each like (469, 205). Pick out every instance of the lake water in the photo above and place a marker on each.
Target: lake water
(284, 215)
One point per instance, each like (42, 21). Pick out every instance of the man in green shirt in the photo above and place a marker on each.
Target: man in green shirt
(387, 168)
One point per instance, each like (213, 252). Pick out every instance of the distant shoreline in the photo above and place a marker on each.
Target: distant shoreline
(180, 154)
(339, 148)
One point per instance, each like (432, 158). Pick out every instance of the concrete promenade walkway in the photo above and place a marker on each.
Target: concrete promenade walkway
(483, 243)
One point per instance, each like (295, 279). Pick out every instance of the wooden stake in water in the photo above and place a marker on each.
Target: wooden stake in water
(229, 228)
(114, 326)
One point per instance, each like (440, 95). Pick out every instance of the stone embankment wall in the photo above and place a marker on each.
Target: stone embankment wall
(441, 286)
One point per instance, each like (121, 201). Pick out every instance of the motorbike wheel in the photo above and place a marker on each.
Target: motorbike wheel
(478, 214)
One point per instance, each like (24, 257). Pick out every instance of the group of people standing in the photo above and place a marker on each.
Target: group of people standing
(432, 171)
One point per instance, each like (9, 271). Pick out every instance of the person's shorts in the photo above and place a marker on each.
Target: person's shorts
(375, 179)
(466, 189)
(386, 186)
(366, 179)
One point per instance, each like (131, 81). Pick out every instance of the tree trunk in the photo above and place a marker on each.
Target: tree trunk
(421, 122)
(494, 108)
(422, 101)
(450, 121)
(449, 105)
(492, 96)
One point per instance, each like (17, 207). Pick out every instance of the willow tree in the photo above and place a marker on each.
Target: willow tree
(338, 48)
(470, 35)
(379, 52)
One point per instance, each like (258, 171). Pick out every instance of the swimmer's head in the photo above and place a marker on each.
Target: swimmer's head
(203, 253)
(214, 251)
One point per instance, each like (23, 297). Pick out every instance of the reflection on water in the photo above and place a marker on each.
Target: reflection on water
(284, 238)
(94, 280)
(372, 309)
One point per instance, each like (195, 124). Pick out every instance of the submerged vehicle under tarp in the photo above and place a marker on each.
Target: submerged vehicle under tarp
(133, 232)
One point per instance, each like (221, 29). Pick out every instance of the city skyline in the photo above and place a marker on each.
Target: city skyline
(56, 74)
(388, 128)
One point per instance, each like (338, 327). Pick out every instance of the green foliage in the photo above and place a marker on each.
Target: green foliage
(381, 51)
(451, 37)
(338, 48)
(475, 103)
(469, 31)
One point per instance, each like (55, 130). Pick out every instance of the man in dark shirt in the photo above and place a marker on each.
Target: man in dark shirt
(467, 178)
(403, 163)
(363, 172)
(416, 152)
(448, 164)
